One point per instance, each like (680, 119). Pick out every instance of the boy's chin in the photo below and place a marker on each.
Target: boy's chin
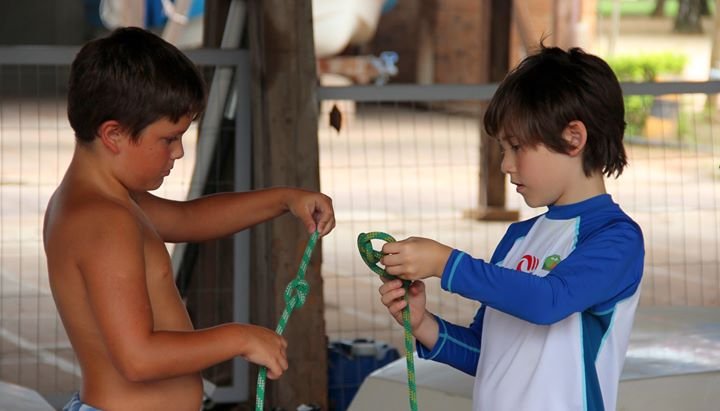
(535, 202)
(155, 185)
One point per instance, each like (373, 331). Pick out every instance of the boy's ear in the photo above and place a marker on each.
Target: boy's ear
(110, 134)
(575, 134)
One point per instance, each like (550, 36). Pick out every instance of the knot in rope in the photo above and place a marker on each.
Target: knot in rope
(295, 293)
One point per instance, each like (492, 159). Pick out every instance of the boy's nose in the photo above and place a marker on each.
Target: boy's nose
(179, 152)
(507, 166)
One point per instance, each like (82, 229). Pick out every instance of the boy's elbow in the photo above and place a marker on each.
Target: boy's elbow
(541, 314)
(134, 369)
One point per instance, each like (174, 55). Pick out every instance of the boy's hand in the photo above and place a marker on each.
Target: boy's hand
(265, 347)
(315, 210)
(391, 295)
(415, 258)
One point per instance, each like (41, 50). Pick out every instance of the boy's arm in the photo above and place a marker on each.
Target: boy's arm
(113, 269)
(456, 346)
(223, 214)
(436, 339)
(597, 274)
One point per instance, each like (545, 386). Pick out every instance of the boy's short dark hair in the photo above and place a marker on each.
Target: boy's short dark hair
(553, 87)
(134, 77)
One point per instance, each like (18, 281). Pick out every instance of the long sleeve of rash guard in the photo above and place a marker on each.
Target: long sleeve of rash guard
(593, 277)
(456, 345)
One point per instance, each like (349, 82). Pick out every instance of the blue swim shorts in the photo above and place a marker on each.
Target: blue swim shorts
(76, 405)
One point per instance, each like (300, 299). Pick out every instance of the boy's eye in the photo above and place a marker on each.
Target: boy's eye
(512, 147)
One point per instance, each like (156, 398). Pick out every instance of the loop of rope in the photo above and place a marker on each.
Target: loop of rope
(370, 255)
(372, 258)
(295, 295)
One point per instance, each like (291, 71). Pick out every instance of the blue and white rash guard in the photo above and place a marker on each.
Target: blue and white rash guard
(558, 301)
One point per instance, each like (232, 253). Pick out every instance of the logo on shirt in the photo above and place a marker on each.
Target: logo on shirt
(551, 261)
(528, 263)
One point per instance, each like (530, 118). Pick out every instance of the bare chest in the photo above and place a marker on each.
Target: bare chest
(169, 312)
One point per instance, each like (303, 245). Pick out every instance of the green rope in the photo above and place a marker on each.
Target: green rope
(292, 301)
(372, 258)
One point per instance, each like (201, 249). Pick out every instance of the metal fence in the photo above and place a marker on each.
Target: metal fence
(36, 145)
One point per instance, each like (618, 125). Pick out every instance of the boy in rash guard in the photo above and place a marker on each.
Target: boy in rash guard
(560, 292)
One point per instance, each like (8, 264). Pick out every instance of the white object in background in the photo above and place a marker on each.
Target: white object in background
(122, 13)
(337, 24)
(16, 398)
(180, 30)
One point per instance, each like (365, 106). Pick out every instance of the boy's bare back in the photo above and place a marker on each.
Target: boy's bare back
(111, 275)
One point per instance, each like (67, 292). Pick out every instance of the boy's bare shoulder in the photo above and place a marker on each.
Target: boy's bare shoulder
(79, 220)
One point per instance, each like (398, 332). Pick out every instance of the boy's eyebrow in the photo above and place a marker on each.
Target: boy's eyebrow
(504, 137)
(181, 130)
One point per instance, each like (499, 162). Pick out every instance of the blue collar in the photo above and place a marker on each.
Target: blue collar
(563, 212)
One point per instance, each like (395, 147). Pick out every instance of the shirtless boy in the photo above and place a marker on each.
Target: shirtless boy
(131, 98)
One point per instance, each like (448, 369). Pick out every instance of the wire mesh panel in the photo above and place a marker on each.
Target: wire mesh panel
(406, 170)
(36, 146)
(670, 188)
(36, 143)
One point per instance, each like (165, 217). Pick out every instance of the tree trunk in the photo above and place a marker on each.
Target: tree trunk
(705, 8)
(497, 14)
(659, 9)
(285, 153)
(688, 17)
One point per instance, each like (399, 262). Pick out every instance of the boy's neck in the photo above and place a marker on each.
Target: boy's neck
(584, 188)
(91, 165)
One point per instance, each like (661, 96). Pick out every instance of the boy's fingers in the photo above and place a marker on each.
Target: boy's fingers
(391, 296)
(321, 221)
(278, 367)
(309, 223)
(390, 248)
(389, 260)
(326, 225)
(272, 374)
(397, 307)
(386, 299)
(388, 284)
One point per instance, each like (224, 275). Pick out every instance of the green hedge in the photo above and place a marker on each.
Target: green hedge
(636, 7)
(644, 68)
(647, 67)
